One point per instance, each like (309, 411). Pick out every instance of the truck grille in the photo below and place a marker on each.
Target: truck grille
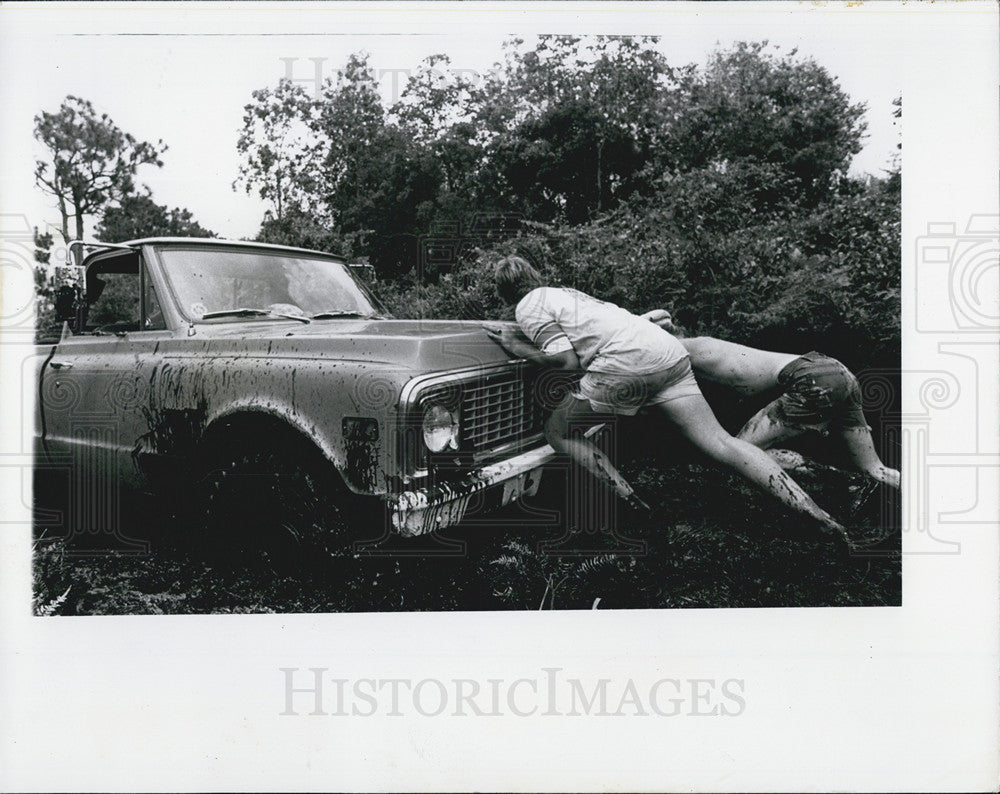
(500, 411)
(497, 409)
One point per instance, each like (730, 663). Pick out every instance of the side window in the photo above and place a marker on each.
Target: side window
(116, 298)
(154, 315)
(116, 302)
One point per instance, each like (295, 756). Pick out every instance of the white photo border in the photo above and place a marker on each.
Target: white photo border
(890, 699)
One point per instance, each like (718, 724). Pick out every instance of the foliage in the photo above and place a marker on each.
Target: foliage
(335, 171)
(49, 571)
(434, 111)
(523, 569)
(91, 162)
(276, 144)
(137, 216)
(301, 229)
(563, 131)
(750, 104)
(43, 242)
(46, 326)
(569, 125)
(829, 280)
(118, 301)
(738, 216)
(464, 293)
(713, 545)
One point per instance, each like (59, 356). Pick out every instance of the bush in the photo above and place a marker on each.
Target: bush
(828, 279)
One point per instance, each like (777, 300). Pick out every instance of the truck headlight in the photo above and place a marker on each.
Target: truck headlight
(440, 427)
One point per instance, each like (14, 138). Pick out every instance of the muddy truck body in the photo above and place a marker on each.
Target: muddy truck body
(186, 359)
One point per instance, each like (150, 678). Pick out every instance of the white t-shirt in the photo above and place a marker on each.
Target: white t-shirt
(605, 337)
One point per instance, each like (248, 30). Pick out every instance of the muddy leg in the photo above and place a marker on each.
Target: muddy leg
(765, 429)
(557, 432)
(861, 451)
(788, 460)
(696, 420)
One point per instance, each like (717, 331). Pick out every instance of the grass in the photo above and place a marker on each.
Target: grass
(711, 543)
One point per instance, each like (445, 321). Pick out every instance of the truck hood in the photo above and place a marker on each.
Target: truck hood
(420, 345)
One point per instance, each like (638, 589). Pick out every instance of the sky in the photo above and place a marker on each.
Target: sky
(184, 74)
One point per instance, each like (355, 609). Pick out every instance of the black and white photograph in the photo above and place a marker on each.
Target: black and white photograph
(592, 327)
(400, 363)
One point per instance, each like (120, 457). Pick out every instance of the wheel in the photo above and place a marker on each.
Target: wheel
(271, 498)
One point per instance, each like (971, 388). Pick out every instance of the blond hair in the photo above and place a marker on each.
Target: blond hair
(515, 278)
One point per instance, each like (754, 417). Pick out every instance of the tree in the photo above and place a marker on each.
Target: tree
(434, 110)
(895, 163)
(583, 116)
(137, 216)
(350, 120)
(279, 151)
(45, 319)
(43, 244)
(339, 176)
(378, 186)
(91, 162)
(565, 131)
(752, 105)
(300, 229)
(562, 130)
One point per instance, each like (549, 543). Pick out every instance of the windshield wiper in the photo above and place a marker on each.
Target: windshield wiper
(254, 313)
(335, 314)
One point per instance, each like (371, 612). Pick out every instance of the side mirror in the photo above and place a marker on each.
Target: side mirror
(69, 306)
(69, 294)
(67, 301)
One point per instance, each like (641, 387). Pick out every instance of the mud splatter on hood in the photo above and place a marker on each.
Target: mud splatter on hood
(424, 345)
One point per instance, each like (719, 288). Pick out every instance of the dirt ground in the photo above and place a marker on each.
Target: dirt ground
(712, 541)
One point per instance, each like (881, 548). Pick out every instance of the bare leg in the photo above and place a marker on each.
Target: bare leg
(764, 429)
(861, 451)
(788, 460)
(581, 451)
(696, 420)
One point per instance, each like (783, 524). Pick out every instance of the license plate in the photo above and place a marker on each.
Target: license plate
(523, 485)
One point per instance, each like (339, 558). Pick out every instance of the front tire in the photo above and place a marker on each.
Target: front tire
(276, 499)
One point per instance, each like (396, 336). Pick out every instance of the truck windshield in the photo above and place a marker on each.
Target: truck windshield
(209, 281)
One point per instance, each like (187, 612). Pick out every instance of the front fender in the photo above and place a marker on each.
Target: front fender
(314, 397)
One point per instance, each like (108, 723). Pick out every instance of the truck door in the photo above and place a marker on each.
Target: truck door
(94, 386)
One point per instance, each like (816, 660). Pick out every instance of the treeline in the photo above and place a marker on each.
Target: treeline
(90, 168)
(718, 191)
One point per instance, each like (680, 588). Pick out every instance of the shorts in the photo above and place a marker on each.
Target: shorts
(820, 393)
(625, 394)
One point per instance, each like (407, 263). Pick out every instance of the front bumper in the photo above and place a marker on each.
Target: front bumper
(427, 509)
